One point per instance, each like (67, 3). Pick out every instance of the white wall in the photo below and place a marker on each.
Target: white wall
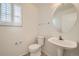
(26, 34)
(48, 30)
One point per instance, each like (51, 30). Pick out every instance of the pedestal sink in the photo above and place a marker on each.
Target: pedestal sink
(62, 44)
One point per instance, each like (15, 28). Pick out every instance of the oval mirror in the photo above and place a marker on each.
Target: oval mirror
(64, 17)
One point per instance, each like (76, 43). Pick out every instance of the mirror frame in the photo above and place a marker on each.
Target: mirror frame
(54, 10)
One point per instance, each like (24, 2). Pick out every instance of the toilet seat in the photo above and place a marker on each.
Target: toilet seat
(34, 47)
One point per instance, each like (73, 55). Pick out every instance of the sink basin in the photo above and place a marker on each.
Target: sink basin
(63, 43)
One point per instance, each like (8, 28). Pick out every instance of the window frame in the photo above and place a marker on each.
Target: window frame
(12, 17)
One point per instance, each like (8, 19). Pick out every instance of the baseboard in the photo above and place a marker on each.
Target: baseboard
(28, 54)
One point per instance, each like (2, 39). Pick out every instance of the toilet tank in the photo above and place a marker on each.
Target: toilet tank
(40, 40)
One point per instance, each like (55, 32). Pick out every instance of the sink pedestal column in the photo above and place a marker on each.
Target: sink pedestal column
(60, 51)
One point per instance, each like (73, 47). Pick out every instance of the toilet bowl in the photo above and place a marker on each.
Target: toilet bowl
(35, 49)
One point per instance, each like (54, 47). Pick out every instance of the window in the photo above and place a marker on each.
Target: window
(10, 14)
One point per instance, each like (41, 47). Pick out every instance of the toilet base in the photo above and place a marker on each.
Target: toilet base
(38, 53)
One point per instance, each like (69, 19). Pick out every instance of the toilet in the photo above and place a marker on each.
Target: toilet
(35, 49)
